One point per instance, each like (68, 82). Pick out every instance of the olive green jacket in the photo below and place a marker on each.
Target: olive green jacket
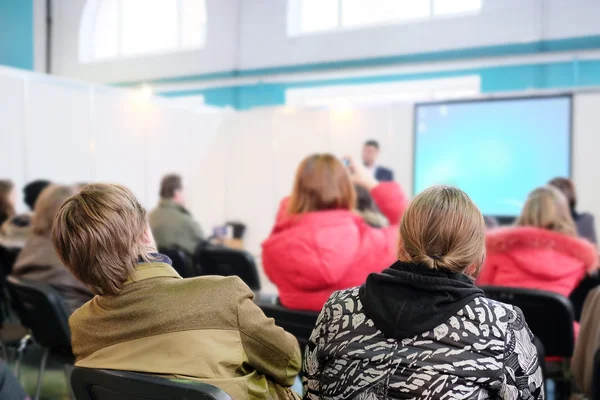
(205, 328)
(172, 225)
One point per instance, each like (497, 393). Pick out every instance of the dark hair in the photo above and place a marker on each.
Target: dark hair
(32, 191)
(6, 208)
(372, 142)
(169, 185)
(567, 187)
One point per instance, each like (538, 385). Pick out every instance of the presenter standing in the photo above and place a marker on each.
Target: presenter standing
(370, 154)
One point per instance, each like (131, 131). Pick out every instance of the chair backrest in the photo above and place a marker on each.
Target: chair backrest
(41, 309)
(99, 384)
(220, 260)
(298, 323)
(182, 262)
(550, 316)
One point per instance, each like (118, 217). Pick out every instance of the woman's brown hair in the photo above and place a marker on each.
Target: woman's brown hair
(322, 183)
(7, 210)
(98, 234)
(443, 229)
(547, 208)
(567, 187)
(47, 205)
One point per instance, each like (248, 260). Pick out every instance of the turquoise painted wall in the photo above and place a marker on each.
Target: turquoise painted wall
(16, 33)
(561, 75)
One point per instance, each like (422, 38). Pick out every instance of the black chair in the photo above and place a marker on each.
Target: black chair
(42, 310)
(182, 262)
(298, 323)
(8, 256)
(99, 384)
(224, 261)
(549, 315)
(581, 291)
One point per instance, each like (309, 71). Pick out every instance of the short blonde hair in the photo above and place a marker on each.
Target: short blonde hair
(322, 183)
(98, 235)
(443, 229)
(47, 205)
(548, 208)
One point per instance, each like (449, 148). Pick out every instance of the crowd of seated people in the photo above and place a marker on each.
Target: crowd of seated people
(395, 283)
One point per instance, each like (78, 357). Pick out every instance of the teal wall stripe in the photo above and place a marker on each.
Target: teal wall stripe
(16, 33)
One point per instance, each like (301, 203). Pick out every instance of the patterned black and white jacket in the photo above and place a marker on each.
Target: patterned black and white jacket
(415, 333)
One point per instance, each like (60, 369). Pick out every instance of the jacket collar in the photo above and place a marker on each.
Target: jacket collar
(160, 268)
(506, 240)
(169, 203)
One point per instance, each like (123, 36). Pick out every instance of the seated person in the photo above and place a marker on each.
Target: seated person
(146, 318)
(421, 329)
(319, 244)
(38, 260)
(588, 343)
(172, 225)
(15, 231)
(543, 251)
(586, 227)
(7, 200)
(366, 208)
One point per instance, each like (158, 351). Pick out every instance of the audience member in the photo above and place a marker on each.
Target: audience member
(586, 227)
(542, 251)
(38, 260)
(145, 318)
(588, 343)
(171, 223)
(15, 231)
(319, 244)
(366, 208)
(370, 154)
(421, 328)
(7, 200)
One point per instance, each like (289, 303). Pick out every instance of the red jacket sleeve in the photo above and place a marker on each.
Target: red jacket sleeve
(391, 200)
(487, 274)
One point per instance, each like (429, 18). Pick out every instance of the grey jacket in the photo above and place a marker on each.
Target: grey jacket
(585, 226)
(172, 225)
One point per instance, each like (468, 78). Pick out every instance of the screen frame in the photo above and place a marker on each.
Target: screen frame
(502, 219)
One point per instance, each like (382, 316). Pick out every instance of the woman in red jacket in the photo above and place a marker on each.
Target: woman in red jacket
(542, 251)
(319, 244)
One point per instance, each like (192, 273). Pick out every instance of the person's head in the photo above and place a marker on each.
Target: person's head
(370, 152)
(32, 190)
(567, 187)
(47, 205)
(547, 208)
(322, 183)
(7, 199)
(100, 234)
(171, 188)
(443, 229)
(364, 200)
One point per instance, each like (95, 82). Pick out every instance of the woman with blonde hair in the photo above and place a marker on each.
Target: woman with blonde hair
(421, 328)
(542, 251)
(319, 243)
(38, 260)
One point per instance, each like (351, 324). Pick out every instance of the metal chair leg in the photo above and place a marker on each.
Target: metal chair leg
(20, 350)
(38, 390)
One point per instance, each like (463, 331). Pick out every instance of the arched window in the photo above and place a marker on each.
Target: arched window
(312, 16)
(113, 29)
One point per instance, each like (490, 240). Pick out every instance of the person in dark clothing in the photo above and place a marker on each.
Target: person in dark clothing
(584, 221)
(421, 329)
(370, 155)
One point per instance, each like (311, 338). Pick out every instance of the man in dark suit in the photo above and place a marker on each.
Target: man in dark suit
(370, 154)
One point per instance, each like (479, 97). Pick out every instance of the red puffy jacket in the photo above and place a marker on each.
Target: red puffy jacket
(310, 256)
(535, 258)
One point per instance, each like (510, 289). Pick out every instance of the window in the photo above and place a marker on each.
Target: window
(312, 16)
(129, 28)
(385, 93)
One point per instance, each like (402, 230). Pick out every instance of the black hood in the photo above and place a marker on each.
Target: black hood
(408, 299)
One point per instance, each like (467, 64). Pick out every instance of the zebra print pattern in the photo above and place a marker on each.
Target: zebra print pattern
(485, 351)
